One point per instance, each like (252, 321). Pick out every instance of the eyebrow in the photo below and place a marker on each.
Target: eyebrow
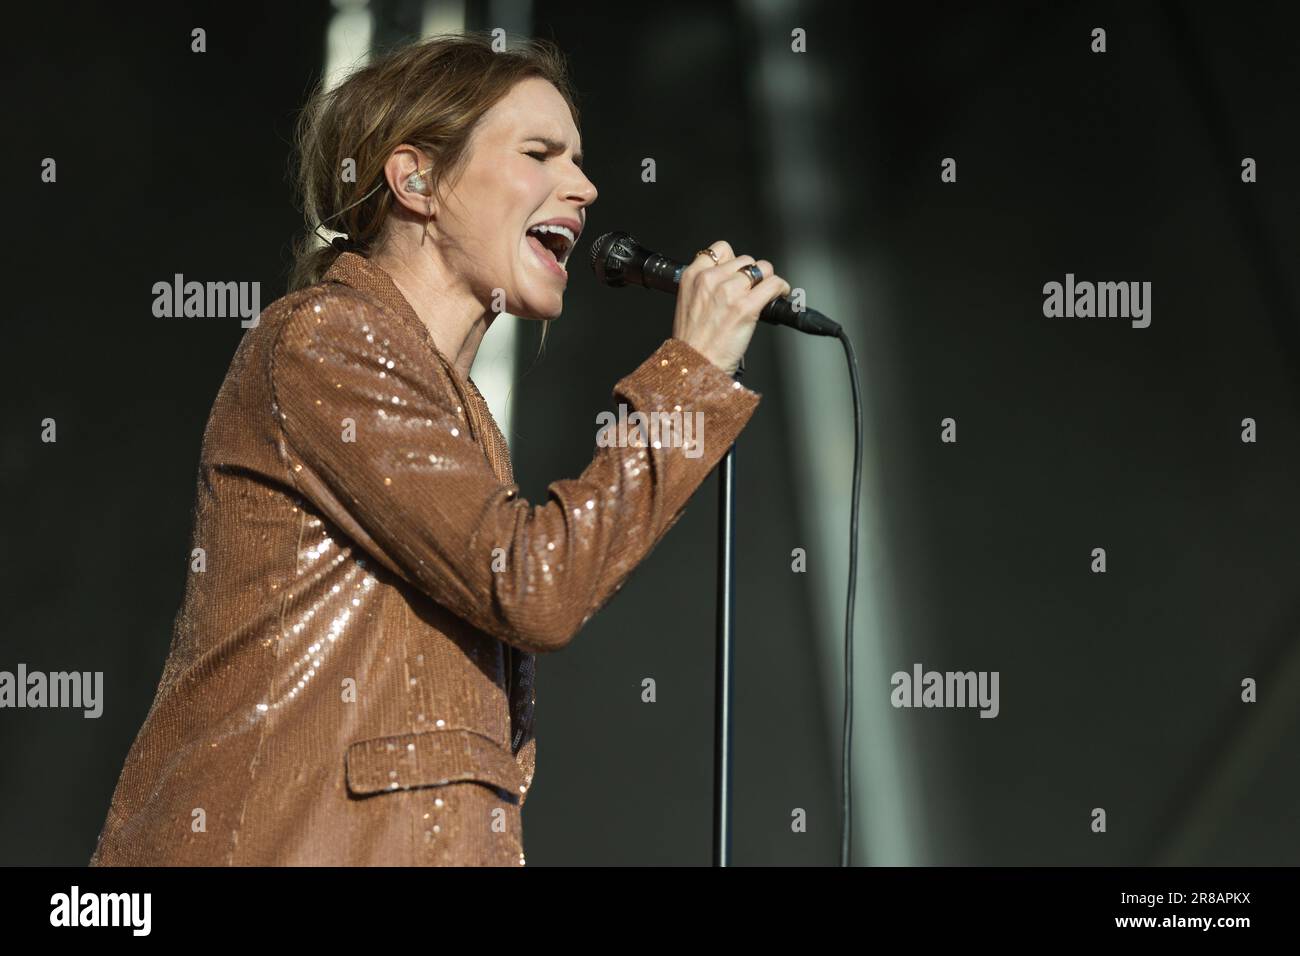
(555, 146)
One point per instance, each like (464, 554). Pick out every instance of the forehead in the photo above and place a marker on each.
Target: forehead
(533, 105)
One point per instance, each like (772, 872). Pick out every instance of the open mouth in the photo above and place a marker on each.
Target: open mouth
(553, 243)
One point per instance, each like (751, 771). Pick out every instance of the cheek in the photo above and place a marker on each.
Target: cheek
(528, 190)
(500, 203)
(526, 200)
(489, 209)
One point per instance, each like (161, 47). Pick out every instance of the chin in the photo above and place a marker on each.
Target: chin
(546, 314)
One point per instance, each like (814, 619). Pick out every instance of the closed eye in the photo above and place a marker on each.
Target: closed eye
(538, 155)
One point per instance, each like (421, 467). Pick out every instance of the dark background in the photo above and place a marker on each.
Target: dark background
(1119, 690)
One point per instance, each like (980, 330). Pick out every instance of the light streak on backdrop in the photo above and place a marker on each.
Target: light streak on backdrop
(795, 96)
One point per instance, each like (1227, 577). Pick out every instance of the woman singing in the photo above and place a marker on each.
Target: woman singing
(350, 679)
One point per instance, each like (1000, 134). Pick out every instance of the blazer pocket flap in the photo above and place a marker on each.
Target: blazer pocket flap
(430, 758)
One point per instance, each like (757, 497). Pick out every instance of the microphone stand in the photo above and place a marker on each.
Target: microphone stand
(724, 654)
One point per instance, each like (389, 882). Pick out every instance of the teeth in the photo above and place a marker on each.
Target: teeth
(569, 238)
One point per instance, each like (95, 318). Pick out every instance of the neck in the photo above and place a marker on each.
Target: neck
(455, 318)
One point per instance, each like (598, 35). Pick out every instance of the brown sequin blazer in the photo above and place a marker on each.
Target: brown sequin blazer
(351, 673)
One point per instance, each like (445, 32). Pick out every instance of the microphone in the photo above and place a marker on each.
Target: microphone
(618, 260)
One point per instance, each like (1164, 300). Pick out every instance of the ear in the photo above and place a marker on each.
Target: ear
(412, 191)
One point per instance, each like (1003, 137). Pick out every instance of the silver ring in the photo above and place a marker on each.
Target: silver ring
(755, 274)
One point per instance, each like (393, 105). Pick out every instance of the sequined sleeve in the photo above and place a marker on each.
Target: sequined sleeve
(373, 436)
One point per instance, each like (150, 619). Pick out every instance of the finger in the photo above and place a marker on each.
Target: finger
(731, 268)
(773, 287)
(742, 272)
(702, 261)
(721, 249)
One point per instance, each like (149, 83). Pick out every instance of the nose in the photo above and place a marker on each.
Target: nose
(582, 189)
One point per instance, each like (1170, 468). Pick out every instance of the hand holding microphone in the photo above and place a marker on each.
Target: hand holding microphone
(720, 296)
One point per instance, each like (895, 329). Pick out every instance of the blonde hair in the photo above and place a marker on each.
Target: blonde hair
(429, 94)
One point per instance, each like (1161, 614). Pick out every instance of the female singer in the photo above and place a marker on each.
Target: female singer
(351, 675)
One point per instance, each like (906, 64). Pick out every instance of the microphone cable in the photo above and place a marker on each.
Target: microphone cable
(618, 260)
(846, 758)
